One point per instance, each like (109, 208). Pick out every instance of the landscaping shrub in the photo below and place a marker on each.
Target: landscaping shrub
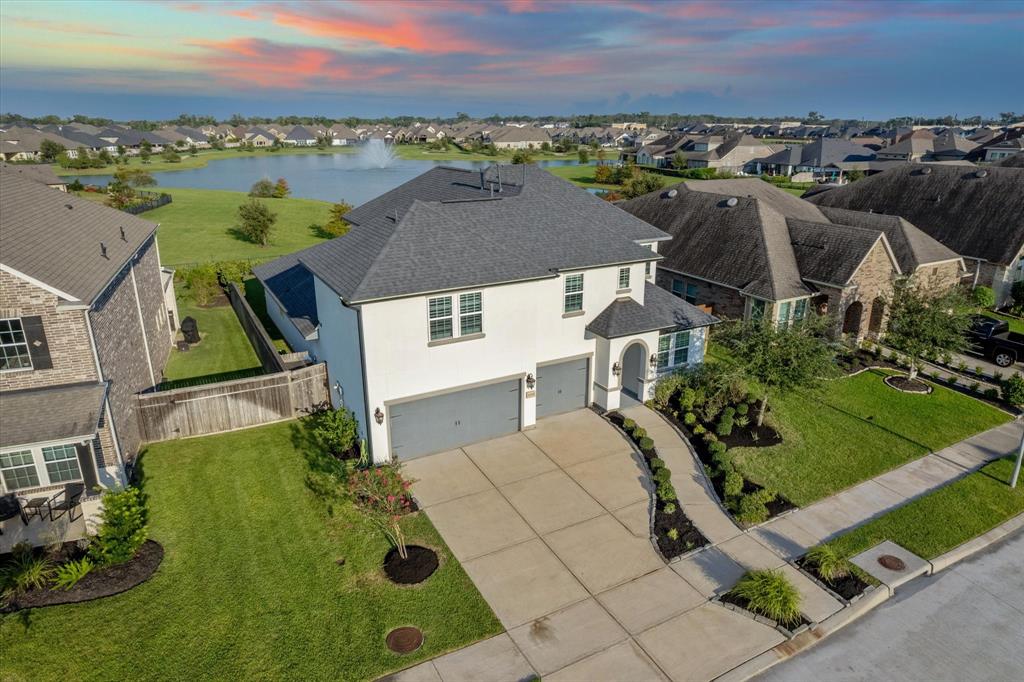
(974, 386)
(639, 433)
(67, 575)
(829, 563)
(699, 430)
(984, 297)
(716, 448)
(26, 570)
(336, 431)
(752, 508)
(1013, 390)
(628, 425)
(991, 393)
(646, 444)
(667, 387)
(262, 188)
(666, 493)
(669, 508)
(656, 463)
(256, 221)
(673, 534)
(742, 409)
(663, 475)
(729, 412)
(725, 424)
(733, 484)
(709, 437)
(742, 421)
(689, 419)
(122, 529)
(281, 189)
(383, 494)
(770, 594)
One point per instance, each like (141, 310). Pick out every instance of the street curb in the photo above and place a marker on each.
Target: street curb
(979, 543)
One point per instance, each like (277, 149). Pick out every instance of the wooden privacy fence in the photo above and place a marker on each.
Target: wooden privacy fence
(258, 336)
(230, 405)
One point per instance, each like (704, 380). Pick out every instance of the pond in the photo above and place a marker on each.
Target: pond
(328, 177)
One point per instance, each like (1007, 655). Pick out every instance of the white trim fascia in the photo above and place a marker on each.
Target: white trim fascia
(42, 285)
(48, 443)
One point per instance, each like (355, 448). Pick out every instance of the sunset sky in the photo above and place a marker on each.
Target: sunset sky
(434, 58)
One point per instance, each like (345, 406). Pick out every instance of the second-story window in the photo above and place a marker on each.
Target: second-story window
(471, 315)
(623, 278)
(13, 346)
(440, 309)
(573, 293)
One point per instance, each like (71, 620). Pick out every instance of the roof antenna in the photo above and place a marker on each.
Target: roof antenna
(497, 169)
(103, 249)
(482, 178)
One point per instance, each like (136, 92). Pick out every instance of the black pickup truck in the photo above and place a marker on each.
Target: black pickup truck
(993, 339)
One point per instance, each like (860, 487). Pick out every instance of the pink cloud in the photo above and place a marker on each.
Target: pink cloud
(65, 27)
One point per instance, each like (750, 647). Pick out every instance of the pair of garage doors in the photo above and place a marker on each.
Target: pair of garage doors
(450, 420)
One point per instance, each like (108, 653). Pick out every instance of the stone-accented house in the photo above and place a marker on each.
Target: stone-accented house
(976, 212)
(83, 327)
(749, 250)
(465, 305)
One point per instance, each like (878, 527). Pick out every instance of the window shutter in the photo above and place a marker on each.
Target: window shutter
(38, 348)
(87, 463)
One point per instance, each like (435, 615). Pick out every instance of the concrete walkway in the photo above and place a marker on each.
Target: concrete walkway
(552, 525)
(791, 535)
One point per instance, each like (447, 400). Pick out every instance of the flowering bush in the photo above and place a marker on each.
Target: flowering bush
(384, 495)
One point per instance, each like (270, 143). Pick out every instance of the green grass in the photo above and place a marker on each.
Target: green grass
(254, 294)
(1016, 324)
(249, 587)
(584, 177)
(200, 225)
(946, 518)
(201, 159)
(856, 428)
(224, 349)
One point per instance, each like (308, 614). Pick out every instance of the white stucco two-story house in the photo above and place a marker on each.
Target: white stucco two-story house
(465, 305)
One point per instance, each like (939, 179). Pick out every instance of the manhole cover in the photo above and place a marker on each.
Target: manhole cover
(404, 640)
(893, 563)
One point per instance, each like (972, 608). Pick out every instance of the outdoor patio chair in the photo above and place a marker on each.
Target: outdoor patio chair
(66, 501)
(10, 506)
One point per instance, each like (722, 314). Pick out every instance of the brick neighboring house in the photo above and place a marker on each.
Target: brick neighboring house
(749, 250)
(976, 212)
(83, 327)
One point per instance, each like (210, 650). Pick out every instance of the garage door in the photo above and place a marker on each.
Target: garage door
(561, 387)
(451, 420)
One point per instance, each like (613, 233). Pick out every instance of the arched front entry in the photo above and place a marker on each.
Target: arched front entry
(633, 369)
(851, 321)
(877, 316)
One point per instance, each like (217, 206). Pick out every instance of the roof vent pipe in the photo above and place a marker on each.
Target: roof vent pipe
(926, 171)
(123, 237)
(672, 193)
(731, 201)
(980, 173)
(497, 169)
(482, 178)
(103, 250)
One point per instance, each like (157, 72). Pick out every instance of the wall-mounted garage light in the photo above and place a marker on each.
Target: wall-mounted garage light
(654, 361)
(530, 381)
(616, 369)
(378, 416)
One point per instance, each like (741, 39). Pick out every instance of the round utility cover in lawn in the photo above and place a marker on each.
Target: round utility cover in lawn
(419, 565)
(404, 640)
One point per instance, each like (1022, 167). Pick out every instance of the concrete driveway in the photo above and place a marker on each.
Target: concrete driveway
(552, 525)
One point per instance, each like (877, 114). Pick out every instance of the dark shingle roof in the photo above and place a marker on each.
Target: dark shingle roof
(975, 212)
(660, 311)
(830, 254)
(292, 285)
(821, 153)
(442, 231)
(911, 246)
(54, 237)
(30, 416)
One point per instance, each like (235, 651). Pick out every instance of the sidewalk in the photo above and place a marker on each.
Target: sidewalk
(791, 535)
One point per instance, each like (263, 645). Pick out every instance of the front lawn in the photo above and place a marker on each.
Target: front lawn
(224, 349)
(199, 225)
(249, 587)
(946, 518)
(856, 428)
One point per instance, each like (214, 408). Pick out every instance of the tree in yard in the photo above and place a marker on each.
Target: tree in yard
(780, 358)
(281, 189)
(262, 188)
(49, 150)
(584, 156)
(122, 153)
(145, 151)
(679, 161)
(105, 157)
(604, 174)
(642, 184)
(192, 150)
(336, 224)
(522, 156)
(256, 221)
(927, 321)
(134, 177)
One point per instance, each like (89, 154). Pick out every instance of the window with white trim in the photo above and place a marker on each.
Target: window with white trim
(471, 314)
(623, 278)
(62, 463)
(647, 269)
(757, 309)
(673, 350)
(573, 293)
(13, 346)
(440, 311)
(791, 311)
(19, 470)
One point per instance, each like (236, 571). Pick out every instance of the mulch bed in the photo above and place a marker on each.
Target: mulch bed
(766, 436)
(420, 565)
(730, 598)
(907, 385)
(98, 583)
(861, 359)
(689, 538)
(847, 587)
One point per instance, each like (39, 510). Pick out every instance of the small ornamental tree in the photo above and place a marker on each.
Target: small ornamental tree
(262, 188)
(256, 221)
(145, 151)
(642, 184)
(522, 156)
(384, 495)
(781, 358)
(336, 224)
(584, 156)
(135, 177)
(927, 321)
(281, 189)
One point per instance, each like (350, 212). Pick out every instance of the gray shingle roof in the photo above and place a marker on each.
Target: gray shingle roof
(30, 416)
(660, 311)
(292, 285)
(911, 246)
(38, 172)
(442, 231)
(975, 212)
(821, 153)
(54, 237)
(830, 254)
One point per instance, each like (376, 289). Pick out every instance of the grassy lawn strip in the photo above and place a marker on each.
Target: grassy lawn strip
(249, 587)
(584, 177)
(856, 428)
(1016, 324)
(224, 349)
(254, 294)
(946, 518)
(199, 225)
(200, 160)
